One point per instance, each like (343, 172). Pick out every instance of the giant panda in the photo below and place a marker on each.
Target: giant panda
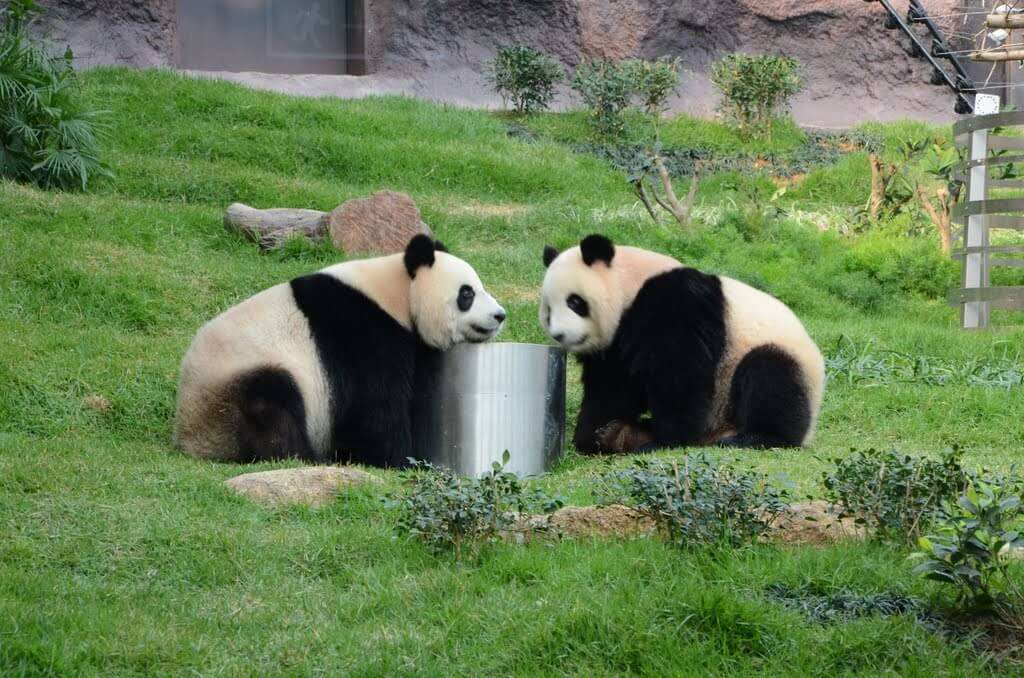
(323, 368)
(712, 360)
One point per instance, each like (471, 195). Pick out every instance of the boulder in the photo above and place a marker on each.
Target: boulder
(309, 485)
(380, 224)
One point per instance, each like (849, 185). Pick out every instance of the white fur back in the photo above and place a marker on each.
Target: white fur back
(265, 330)
(754, 318)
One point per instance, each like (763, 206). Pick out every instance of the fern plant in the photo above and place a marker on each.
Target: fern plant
(47, 136)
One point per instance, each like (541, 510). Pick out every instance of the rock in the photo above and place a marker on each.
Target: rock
(96, 402)
(1007, 553)
(381, 224)
(309, 485)
(853, 67)
(271, 228)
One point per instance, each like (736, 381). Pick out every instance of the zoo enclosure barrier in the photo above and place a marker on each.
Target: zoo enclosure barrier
(993, 150)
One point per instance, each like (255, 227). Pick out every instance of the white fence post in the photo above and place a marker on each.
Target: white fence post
(975, 313)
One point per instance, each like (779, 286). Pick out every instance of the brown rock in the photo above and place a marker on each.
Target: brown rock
(310, 485)
(381, 224)
(96, 402)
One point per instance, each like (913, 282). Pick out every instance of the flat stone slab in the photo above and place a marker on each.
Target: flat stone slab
(309, 485)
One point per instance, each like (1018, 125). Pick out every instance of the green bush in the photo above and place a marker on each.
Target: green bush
(755, 89)
(606, 88)
(896, 496)
(969, 551)
(46, 135)
(654, 81)
(903, 264)
(609, 89)
(695, 501)
(525, 76)
(449, 512)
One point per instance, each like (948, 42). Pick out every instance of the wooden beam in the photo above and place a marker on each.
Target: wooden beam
(999, 54)
(1005, 21)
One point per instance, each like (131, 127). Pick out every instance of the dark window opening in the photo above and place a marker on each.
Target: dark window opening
(273, 36)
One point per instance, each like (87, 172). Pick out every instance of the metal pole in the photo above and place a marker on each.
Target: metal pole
(975, 313)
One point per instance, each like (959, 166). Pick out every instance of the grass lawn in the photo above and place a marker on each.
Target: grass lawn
(119, 556)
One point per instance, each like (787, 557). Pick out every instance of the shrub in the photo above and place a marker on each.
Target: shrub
(525, 76)
(695, 501)
(611, 88)
(606, 88)
(895, 496)
(969, 550)
(755, 89)
(46, 135)
(654, 81)
(450, 512)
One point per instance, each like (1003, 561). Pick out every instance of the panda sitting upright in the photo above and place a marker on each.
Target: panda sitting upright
(712, 360)
(323, 368)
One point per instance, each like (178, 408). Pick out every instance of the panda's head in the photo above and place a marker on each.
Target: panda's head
(581, 300)
(447, 301)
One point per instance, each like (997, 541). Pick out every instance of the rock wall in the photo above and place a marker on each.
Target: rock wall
(137, 33)
(854, 68)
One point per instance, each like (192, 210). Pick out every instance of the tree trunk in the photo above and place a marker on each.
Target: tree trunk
(680, 211)
(272, 227)
(641, 192)
(940, 216)
(877, 187)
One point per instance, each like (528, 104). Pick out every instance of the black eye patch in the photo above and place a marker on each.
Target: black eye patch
(466, 297)
(577, 305)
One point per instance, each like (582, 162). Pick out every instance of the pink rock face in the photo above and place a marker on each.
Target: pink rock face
(381, 224)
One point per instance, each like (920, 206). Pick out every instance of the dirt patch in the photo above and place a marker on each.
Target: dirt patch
(487, 209)
(814, 523)
(809, 523)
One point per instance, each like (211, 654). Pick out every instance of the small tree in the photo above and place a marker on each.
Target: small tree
(607, 88)
(524, 76)
(46, 135)
(755, 89)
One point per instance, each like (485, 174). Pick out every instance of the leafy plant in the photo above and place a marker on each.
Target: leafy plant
(606, 88)
(969, 551)
(896, 496)
(654, 82)
(47, 136)
(450, 512)
(755, 89)
(525, 76)
(695, 501)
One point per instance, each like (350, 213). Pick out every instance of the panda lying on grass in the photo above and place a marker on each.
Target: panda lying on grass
(714, 361)
(322, 368)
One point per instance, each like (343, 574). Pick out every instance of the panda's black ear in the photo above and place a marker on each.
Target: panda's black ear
(597, 248)
(419, 252)
(549, 255)
(439, 247)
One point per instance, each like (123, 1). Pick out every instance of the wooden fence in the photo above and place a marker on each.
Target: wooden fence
(992, 204)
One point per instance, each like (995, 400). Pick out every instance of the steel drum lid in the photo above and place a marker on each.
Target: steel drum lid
(478, 400)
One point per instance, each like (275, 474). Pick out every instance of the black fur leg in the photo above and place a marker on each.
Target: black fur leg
(272, 421)
(768, 401)
(608, 395)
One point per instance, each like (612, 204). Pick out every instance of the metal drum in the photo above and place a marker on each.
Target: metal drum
(482, 399)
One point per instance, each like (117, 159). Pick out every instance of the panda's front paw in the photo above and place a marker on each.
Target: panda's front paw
(622, 436)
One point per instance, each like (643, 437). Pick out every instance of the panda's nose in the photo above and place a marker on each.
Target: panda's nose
(558, 337)
(500, 316)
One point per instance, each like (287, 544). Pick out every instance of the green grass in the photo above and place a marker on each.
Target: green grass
(119, 556)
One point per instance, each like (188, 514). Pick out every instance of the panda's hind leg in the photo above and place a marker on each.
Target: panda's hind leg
(272, 417)
(768, 401)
